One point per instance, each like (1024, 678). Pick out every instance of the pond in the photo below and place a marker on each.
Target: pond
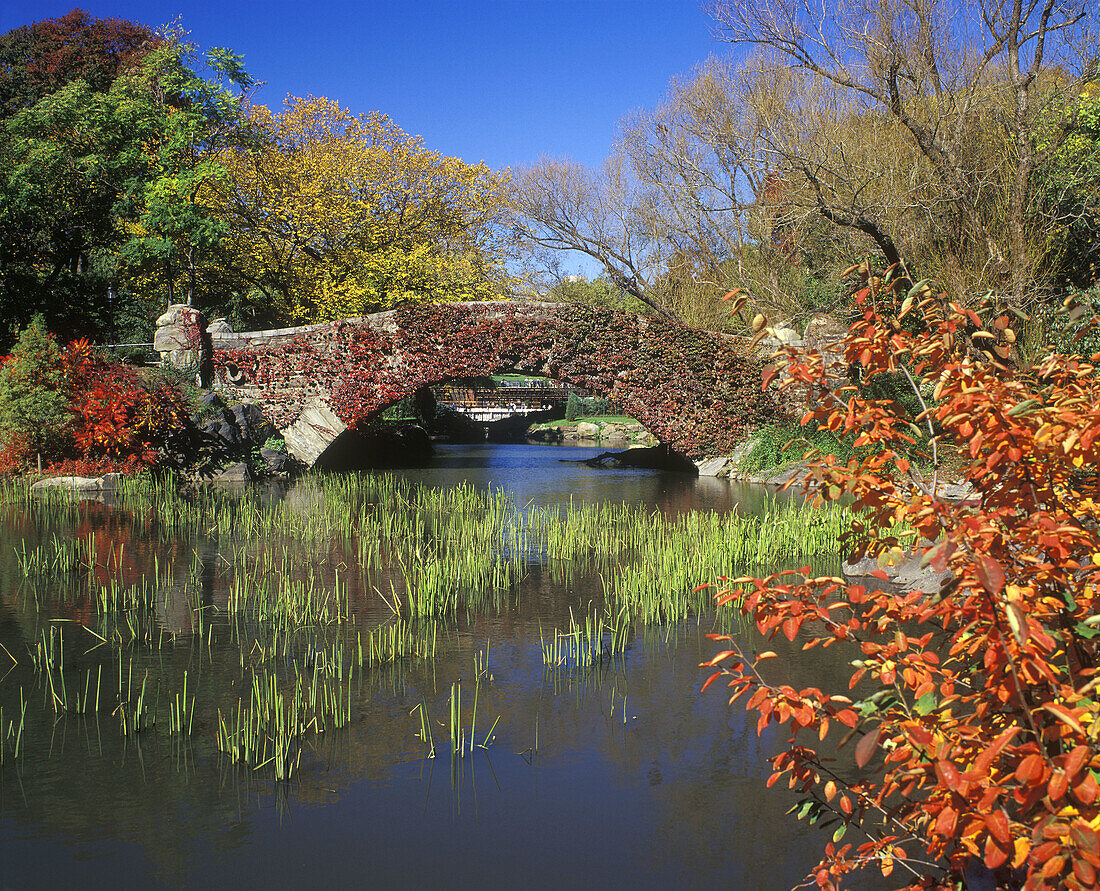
(436, 737)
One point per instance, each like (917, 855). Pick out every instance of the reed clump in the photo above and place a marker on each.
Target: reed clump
(341, 578)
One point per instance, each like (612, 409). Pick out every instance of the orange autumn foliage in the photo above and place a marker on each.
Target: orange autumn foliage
(113, 419)
(118, 417)
(978, 749)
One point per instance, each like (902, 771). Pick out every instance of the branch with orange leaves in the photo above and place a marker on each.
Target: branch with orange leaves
(982, 721)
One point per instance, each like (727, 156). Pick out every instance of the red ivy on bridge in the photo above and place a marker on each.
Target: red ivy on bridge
(697, 391)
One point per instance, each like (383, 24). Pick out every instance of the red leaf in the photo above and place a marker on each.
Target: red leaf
(938, 555)
(1064, 715)
(985, 759)
(990, 574)
(948, 773)
(847, 717)
(1030, 770)
(866, 748)
(1075, 760)
(1057, 786)
(945, 822)
(1085, 791)
(1086, 838)
(997, 824)
(995, 854)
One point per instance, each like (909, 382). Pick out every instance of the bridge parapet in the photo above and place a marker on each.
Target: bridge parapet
(697, 391)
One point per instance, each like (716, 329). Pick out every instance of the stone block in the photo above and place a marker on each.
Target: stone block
(717, 467)
(170, 339)
(234, 473)
(276, 461)
(210, 401)
(73, 483)
(317, 426)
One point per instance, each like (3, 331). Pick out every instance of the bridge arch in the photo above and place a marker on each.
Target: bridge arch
(697, 391)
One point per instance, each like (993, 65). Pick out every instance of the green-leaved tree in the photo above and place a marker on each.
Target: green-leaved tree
(33, 403)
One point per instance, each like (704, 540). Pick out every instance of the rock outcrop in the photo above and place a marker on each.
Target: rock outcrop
(91, 486)
(612, 433)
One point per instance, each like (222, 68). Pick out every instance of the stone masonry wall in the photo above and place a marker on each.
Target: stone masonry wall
(697, 391)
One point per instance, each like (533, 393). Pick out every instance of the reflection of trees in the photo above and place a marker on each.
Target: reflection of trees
(689, 773)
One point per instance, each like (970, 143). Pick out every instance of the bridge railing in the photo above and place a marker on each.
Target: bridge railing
(133, 353)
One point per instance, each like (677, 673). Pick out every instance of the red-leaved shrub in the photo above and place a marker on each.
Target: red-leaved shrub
(118, 417)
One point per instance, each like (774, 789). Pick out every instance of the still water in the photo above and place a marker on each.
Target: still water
(626, 776)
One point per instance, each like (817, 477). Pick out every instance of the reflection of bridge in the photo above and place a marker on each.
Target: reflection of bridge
(504, 400)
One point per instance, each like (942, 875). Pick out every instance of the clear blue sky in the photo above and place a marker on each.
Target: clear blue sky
(500, 81)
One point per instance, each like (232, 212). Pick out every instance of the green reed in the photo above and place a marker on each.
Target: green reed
(397, 640)
(270, 728)
(181, 714)
(286, 567)
(595, 641)
(461, 743)
(137, 709)
(11, 734)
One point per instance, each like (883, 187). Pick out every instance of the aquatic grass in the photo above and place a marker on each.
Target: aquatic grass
(396, 640)
(273, 577)
(425, 732)
(269, 730)
(135, 712)
(181, 711)
(594, 642)
(11, 735)
(460, 742)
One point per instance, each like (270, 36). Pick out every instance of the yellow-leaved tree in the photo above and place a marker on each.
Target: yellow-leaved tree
(334, 215)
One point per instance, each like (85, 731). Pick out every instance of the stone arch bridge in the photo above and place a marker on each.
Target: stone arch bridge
(698, 392)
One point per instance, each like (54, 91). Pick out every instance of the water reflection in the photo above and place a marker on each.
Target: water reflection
(623, 776)
(549, 475)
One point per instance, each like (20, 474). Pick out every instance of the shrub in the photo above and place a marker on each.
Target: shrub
(33, 403)
(778, 445)
(977, 751)
(573, 407)
(80, 412)
(118, 416)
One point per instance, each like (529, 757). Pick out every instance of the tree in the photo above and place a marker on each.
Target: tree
(178, 124)
(58, 188)
(976, 711)
(1068, 193)
(99, 188)
(39, 59)
(33, 400)
(597, 292)
(335, 214)
(711, 190)
(562, 206)
(953, 86)
(693, 201)
(825, 159)
(573, 407)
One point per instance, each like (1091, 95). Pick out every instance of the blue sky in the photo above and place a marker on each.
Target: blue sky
(500, 81)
